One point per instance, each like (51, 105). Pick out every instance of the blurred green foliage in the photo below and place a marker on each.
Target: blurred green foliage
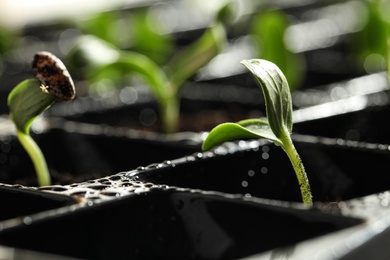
(8, 40)
(370, 44)
(105, 65)
(268, 28)
(137, 30)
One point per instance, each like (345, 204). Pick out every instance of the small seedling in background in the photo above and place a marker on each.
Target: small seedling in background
(33, 96)
(278, 128)
(165, 82)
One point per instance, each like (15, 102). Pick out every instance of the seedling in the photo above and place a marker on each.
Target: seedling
(165, 82)
(33, 96)
(277, 128)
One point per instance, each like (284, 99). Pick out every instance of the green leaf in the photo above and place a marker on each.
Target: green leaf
(276, 94)
(278, 106)
(277, 129)
(192, 58)
(259, 127)
(27, 101)
(246, 129)
(132, 62)
(188, 61)
(89, 53)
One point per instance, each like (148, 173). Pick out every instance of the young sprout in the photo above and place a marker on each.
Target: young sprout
(33, 96)
(277, 128)
(165, 82)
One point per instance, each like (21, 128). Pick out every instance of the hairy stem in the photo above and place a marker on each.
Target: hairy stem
(300, 172)
(37, 158)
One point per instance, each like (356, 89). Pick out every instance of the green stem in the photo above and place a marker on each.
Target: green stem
(300, 172)
(170, 110)
(37, 158)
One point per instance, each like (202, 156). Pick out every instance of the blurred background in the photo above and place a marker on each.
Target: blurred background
(313, 42)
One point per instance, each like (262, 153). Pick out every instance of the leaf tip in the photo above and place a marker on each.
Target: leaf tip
(244, 62)
(205, 147)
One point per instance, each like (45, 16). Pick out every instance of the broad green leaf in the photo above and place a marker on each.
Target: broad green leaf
(27, 101)
(246, 129)
(277, 95)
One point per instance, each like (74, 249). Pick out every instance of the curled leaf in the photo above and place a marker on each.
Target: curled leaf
(276, 94)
